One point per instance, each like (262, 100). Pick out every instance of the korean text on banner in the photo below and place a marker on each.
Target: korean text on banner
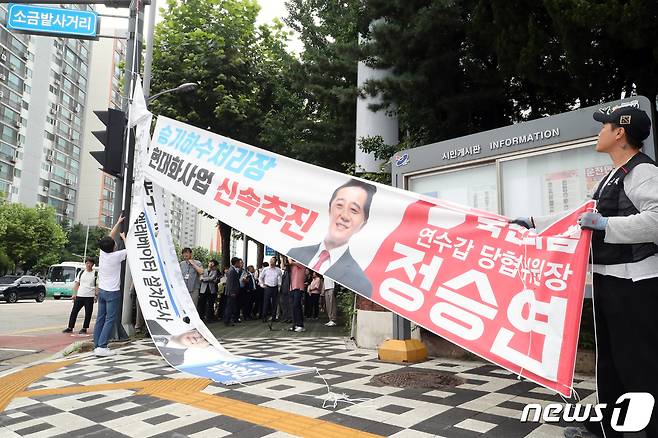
(180, 336)
(510, 295)
(178, 333)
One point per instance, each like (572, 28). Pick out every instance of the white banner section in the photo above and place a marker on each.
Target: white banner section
(180, 336)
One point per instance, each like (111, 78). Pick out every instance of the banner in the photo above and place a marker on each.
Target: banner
(180, 336)
(505, 293)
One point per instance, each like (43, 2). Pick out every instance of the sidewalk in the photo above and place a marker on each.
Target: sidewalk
(135, 394)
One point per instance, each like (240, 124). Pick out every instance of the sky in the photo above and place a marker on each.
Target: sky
(270, 9)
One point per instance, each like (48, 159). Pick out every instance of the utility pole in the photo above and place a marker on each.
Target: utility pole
(149, 50)
(124, 185)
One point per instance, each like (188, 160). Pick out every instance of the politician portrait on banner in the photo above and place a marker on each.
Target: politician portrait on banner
(349, 210)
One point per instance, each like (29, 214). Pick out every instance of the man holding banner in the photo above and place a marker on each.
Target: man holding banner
(625, 259)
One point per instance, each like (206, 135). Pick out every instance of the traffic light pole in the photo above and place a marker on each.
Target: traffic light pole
(124, 185)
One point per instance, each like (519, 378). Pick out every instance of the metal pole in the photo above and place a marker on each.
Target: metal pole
(149, 49)
(124, 186)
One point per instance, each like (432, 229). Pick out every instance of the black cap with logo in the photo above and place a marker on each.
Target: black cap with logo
(635, 122)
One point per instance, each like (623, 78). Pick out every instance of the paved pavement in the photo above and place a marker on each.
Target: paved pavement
(135, 394)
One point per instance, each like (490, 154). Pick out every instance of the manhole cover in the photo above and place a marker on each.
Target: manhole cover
(412, 378)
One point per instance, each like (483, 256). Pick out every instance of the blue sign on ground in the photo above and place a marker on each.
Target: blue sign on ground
(52, 21)
(269, 252)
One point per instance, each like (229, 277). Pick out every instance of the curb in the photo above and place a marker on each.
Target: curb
(61, 354)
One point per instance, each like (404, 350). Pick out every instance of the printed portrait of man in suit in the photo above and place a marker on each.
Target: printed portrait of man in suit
(349, 210)
(188, 348)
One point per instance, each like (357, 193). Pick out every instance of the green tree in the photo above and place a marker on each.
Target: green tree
(444, 84)
(76, 236)
(237, 65)
(243, 91)
(471, 65)
(30, 237)
(325, 129)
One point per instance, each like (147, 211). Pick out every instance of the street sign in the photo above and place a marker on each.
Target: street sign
(40, 20)
(269, 252)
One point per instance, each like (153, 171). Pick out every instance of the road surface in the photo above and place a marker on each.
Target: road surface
(31, 331)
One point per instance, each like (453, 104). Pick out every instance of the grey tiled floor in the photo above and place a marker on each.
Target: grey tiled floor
(488, 404)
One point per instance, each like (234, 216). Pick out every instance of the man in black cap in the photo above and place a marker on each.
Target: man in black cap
(625, 286)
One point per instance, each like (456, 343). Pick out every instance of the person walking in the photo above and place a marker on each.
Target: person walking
(109, 285)
(85, 293)
(270, 278)
(298, 287)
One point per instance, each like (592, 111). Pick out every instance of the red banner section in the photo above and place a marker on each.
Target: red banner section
(505, 293)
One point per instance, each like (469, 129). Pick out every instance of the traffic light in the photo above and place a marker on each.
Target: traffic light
(112, 138)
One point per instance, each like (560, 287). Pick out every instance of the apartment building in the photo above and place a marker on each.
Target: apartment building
(43, 97)
(97, 189)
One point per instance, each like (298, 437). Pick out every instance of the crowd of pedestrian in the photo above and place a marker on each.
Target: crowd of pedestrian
(279, 291)
(282, 290)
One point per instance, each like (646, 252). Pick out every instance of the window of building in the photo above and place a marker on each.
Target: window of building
(542, 183)
(6, 151)
(6, 171)
(9, 135)
(474, 186)
(551, 182)
(14, 82)
(15, 63)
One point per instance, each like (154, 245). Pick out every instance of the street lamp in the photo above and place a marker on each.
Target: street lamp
(87, 236)
(182, 88)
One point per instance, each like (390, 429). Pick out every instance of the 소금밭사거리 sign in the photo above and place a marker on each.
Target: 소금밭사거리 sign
(507, 294)
(41, 20)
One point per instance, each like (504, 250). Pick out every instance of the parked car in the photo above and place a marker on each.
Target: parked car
(22, 287)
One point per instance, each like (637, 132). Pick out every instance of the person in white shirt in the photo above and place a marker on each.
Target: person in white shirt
(270, 279)
(109, 285)
(85, 291)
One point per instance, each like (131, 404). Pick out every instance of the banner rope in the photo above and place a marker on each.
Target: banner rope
(590, 269)
(330, 399)
(530, 340)
(525, 287)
